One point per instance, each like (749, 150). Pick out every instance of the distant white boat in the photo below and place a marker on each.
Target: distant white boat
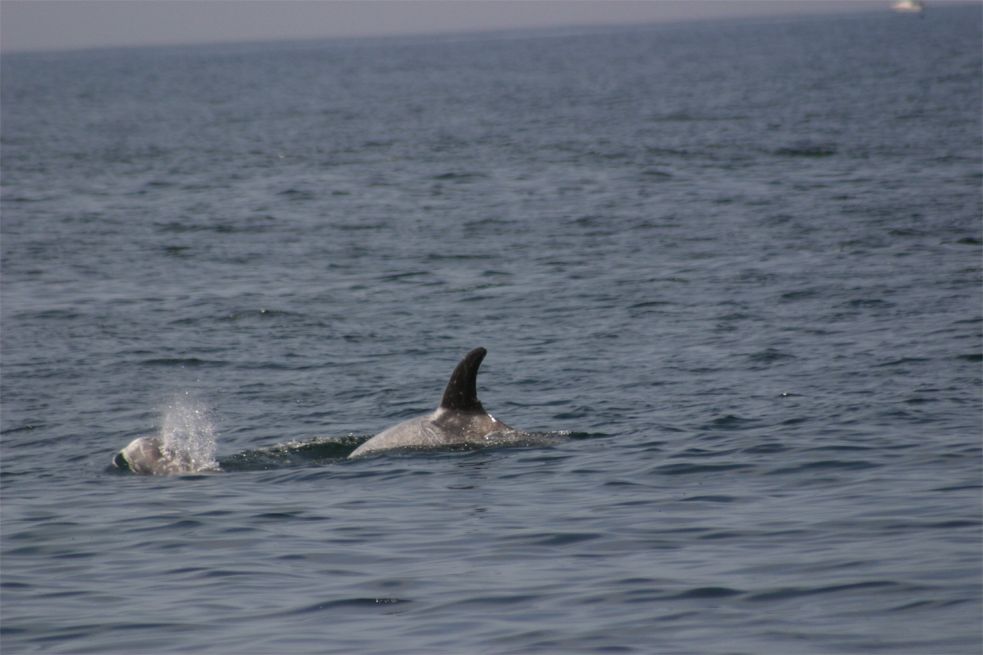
(909, 6)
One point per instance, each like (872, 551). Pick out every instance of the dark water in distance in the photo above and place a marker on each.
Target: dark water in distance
(739, 262)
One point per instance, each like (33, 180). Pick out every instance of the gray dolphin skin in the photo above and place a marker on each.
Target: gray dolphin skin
(148, 456)
(143, 455)
(459, 420)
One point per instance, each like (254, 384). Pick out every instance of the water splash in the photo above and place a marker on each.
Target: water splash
(187, 435)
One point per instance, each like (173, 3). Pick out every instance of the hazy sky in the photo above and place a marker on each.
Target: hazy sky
(60, 24)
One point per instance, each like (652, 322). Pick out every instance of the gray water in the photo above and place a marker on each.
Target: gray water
(735, 265)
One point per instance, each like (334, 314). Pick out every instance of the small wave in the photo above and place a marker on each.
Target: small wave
(710, 499)
(959, 487)
(708, 592)
(867, 303)
(766, 449)
(22, 428)
(347, 603)
(464, 176)
(686, 469)
(294, 194)
(183, 362)
(808, 150)
(297, 515)
(293, 454)
(798, 592)
(923, 604)
(560, 539)
(801, 294)
(903, 361)
(567, 434)
(769, 356)
(176, 251)
(825, 465)
(727, 422)
(261, 313)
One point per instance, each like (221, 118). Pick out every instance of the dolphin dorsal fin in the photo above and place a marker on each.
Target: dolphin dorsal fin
(461, 393)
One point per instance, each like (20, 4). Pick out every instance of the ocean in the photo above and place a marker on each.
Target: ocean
(734, 266)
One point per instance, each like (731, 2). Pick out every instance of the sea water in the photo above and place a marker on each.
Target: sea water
(736, 264)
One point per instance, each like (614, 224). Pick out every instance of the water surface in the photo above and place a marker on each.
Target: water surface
(738, 262)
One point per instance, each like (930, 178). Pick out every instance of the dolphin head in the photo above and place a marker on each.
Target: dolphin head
(142, 455)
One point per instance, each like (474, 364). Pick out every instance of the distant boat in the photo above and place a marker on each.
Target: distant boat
(909, 6)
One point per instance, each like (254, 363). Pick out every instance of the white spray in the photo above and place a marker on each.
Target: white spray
(187, 435)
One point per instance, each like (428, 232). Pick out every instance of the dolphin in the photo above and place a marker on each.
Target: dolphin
(144, 455)
(459, 420)
(150, 456)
